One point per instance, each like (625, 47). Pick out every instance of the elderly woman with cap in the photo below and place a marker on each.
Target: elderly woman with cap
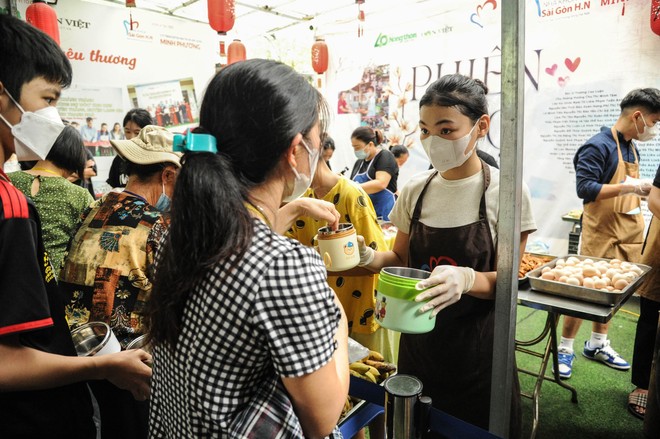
(106, 273)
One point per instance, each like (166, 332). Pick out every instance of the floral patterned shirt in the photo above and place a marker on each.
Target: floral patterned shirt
(106, 273)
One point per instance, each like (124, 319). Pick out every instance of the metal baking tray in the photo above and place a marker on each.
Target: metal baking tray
(582, 293)
(357, 406)
(547, 258)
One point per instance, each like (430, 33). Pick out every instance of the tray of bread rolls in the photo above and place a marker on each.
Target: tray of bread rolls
(595, 280)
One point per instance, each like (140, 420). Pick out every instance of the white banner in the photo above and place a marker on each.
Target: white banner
(581, 59)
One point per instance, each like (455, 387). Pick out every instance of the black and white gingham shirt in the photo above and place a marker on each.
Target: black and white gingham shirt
(273, 316)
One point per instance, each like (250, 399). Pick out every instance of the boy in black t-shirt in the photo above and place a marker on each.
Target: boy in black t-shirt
(42, 381)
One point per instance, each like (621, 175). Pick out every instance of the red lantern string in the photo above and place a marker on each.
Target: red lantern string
(235, 52)
(360, 17)
(320, 56)
(43, 17)
(221, 15)
(655, 16)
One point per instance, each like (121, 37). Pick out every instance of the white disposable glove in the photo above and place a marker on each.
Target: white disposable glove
(445, 286)
(636, 186)
(643, 189)
(367, 253)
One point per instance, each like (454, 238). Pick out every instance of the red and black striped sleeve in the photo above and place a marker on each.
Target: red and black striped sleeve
(23, 299)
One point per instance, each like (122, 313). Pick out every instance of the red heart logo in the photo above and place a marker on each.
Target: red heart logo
(572, 65)
(493, 3)
(551, 70)
(441, 260)
(563, 81)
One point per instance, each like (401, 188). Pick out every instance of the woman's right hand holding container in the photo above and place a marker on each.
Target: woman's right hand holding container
(444, 287)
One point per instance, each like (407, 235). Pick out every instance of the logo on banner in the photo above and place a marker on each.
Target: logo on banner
(131, 25)
(69, 23)
(384, 40)
(133, 32)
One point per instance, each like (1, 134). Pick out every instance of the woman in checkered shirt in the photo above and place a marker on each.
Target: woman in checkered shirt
(249, 339)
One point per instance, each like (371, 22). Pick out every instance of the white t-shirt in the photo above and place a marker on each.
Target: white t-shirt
(454, 203)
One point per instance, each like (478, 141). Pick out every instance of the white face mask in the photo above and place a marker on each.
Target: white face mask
(448, 154)
(648, 133)
(302, 181)
(36, 132)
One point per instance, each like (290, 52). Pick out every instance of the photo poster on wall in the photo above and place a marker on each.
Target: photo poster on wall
(369, 98)
(103, 104)
(170, 103)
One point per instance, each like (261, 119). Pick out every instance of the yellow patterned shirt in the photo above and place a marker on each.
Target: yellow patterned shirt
(356, 293)
(107, 270)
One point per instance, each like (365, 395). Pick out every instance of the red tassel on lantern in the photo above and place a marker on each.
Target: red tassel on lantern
(221, 15)
(655, 16)
(43, 17)
(320, 56)
(235, 52)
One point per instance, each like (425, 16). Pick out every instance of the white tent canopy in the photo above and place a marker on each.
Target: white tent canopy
(267, 18)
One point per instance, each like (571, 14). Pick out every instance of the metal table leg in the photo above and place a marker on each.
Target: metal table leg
(550, 331)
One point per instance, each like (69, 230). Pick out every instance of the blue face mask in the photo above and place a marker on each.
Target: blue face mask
(164, 202)
(361, 154)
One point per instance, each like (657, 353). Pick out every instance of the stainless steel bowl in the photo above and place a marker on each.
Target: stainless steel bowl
(90, 338)
(140, 343)
(408, 273)
(341, 228)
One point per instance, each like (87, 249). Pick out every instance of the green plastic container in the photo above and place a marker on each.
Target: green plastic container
(396, 308)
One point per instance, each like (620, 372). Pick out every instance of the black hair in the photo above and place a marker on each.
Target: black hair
(68, 151)
(144, 173)
(327, 142)
(466, 94)
(26, 165)
(647, 98)
(27, 53)
(139, 116)
(368, 134)
(254, 109)
(398, 150)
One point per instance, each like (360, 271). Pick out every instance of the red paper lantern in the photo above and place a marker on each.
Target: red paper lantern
(221, 15)
(130, 3)
(235, 52)
(320, 56)
(655, 16)
(43, 17)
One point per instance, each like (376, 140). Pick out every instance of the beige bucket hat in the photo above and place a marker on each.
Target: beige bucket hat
(152, 145)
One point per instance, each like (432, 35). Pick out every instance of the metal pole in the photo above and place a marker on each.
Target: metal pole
(508, 249)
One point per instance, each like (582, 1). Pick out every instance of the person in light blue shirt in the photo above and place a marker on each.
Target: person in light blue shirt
(90, 135)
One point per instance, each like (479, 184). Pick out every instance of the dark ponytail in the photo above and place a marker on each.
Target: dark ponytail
(368, 134)
(193, 243)
(254, 109)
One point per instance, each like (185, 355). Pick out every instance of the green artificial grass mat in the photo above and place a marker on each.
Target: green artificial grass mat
(601, 411)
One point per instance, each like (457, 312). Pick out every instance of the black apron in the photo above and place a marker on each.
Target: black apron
(454, 361)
